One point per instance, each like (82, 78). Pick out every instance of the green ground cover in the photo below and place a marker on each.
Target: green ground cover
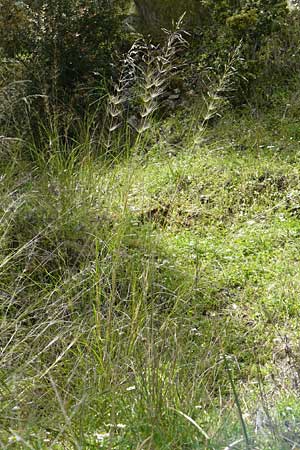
(154, 303)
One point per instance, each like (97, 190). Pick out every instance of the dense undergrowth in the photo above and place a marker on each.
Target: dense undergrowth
(144, 304)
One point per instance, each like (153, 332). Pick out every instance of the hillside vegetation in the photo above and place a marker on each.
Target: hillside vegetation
(150, 225)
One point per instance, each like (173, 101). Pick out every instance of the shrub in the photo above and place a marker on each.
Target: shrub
(13, 20)
(156, 14)
(278, 61)
(239, 15)
(62, 44)
(253, 23)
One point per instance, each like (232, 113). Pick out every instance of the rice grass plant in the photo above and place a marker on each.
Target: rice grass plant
(218, 91)
(145, 76)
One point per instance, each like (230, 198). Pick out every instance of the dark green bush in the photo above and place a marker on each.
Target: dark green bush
(63, 44)
(13, 21)
(157, 14)
(252, 23)
(278, 61)
(257, 17)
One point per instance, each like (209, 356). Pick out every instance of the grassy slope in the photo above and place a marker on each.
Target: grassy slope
(123, 288)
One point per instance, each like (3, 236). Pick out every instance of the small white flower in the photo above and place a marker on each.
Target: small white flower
(131, 388)
(101, 436)
(15, 438)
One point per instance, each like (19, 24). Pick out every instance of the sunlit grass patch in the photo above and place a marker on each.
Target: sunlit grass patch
(124, 285)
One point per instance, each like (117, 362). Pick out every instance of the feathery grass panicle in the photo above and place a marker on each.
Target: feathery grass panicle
(144, 78)
(218, 90)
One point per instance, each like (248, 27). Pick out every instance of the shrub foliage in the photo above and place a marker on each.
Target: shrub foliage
(62, 43)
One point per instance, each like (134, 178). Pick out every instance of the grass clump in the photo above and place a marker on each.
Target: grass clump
(116, 317)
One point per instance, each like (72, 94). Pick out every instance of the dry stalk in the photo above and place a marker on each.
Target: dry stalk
(145, 75)
(216, 99)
